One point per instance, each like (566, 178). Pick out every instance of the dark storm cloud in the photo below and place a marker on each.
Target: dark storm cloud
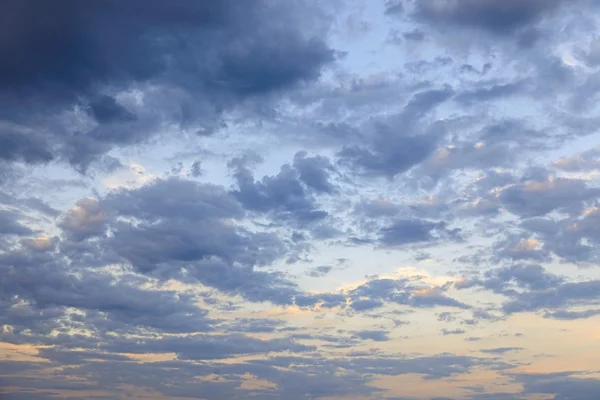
(66, 53)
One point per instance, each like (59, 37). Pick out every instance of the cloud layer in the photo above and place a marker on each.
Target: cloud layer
(296, 200)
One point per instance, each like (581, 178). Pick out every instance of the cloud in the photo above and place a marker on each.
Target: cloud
(523, 276)
(586, 161)
(320, 271)
(287, 190)
(376, 336)
(563, 386)
(282, 195)
(447, 332)
(401, 291)
(395, 146)
(572, 293)
(571, 239)
(501, 350)
(10, 225)
(84, 221)
(571, 315)
(497, 17)
(403, 232)
(538, 198)
(314, 172)
(204, 57)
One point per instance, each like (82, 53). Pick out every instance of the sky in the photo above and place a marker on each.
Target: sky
(299, 199)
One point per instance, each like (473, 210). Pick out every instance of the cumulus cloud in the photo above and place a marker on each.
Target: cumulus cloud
(203, 57)
(325, 197)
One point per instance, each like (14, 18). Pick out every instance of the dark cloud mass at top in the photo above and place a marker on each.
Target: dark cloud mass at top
(497, 16)
(299, 199)
(204, 56)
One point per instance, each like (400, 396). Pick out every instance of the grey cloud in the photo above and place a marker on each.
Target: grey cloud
(20, 144)
(422, 67)
(377, 336)
(571, 315)
(501, 350)
(388, 159)
(68, 54)
(497, 17)
(403, 291)
(396, 145)
(506, 280)
(27, 204)
(447, 332)
(591, 56)
(404, 232)
(365, 304)
(253, 325)
(394, 7)
(186, 236)
(571, 239)
(563, 386)
(206, 347)
(320, 271)
(537, 198)
(314, 172)
(520, 248)
(566, 294)
(10, 225)
(196, 169)
(84, 221)
(586, 161)
(415, 34)
(485, 94)
(423, 102)
(282, 195)
(105, 109)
